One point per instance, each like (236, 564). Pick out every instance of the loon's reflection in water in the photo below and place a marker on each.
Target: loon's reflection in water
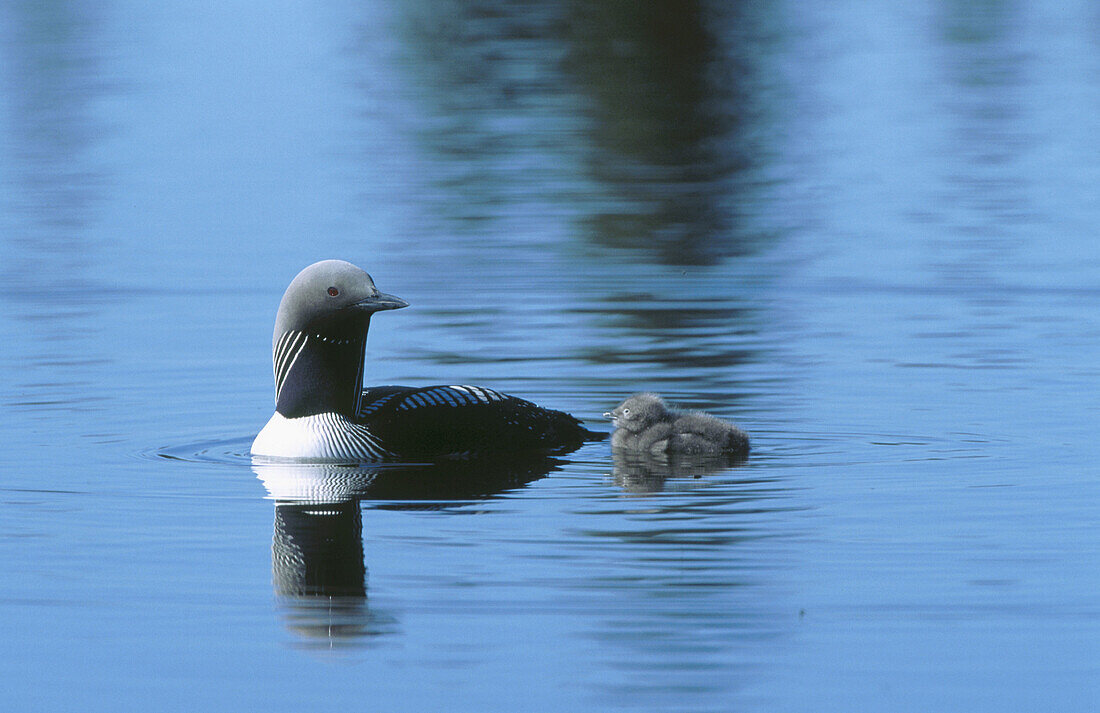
(319, 575)
(317, 554)
(646, 473)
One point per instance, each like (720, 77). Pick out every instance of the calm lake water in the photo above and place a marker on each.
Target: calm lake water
(865, 233)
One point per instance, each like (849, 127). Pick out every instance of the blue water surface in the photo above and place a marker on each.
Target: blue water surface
(864, 232)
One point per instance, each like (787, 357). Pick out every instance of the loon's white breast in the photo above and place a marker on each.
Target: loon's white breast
(323, 436)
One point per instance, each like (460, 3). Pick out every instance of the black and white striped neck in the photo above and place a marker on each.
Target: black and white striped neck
(319, 373)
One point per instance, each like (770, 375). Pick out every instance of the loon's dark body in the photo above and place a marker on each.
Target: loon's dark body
(436, 421)
(322, 413)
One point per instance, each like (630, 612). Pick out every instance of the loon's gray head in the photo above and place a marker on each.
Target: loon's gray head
(639, 412)
(320, 336)
(330, 296)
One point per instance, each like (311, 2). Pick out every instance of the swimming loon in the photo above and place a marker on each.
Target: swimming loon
(323, 413)
(645, 424)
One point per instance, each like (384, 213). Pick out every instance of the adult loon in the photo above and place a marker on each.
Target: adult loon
(323, 413)
(645, 424)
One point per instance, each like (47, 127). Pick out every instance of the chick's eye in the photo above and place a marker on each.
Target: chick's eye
(332, 292)
(626, 412)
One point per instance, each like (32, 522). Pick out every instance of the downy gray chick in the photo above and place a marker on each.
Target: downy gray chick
(645, 424)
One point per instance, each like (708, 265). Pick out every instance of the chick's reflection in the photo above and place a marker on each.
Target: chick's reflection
(645, 473)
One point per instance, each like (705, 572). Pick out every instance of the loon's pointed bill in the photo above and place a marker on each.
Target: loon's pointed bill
(380, 302)
(322, 412)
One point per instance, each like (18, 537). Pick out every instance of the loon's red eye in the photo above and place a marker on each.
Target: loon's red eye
(332, 292)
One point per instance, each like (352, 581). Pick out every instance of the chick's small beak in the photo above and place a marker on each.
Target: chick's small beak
(381, 301)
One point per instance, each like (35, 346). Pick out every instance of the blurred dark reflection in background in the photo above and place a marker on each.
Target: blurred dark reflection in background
(646, 126)
(54, 177)
(673, 125)
(987, 202)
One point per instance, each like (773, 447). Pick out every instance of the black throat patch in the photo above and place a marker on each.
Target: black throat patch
(318, 373)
